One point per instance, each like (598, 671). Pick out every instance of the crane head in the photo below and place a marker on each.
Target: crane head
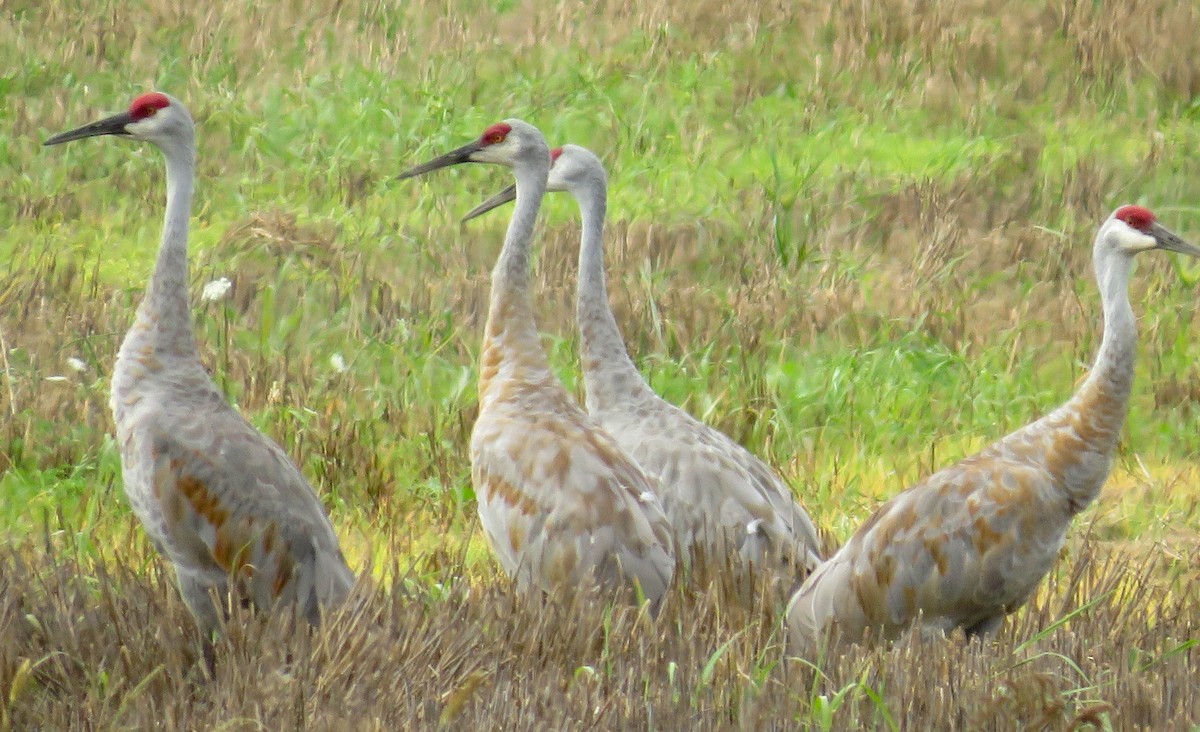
(571, 167)
(1132, 229)
(505, 143)
(510, 194)
(153, 116)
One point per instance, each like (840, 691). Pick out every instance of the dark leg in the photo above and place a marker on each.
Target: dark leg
(985, 627)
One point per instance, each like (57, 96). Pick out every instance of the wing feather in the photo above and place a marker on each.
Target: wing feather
(560, 503)
(234, 505)
(714, 490)
(968, 543)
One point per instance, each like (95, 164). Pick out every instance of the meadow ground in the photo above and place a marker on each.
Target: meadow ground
(855, 236)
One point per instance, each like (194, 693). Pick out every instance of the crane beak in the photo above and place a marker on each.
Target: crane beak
(501, 198)
(454, 157)
(1171, 241)
(114, 125)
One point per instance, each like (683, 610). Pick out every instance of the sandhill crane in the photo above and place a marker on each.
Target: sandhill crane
(560, 502)
(718, 496)
(220, 500)
(970, 543)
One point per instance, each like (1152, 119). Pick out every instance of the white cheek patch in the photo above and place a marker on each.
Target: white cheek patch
(1146, 243)
(140, 128)
(1133, 241)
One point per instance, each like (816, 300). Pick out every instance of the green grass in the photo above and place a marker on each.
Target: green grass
(696, 142)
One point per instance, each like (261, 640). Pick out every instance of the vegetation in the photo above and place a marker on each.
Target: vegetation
(855, 236)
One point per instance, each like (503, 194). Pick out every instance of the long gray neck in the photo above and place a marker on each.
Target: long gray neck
(1088, 426)
(510, 316)
(609, 374)
(164, 316)
(1113, 369)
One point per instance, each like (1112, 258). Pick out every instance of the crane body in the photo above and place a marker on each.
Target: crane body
(560, 502)
(720, 499)
(970, 544)
(222, 502)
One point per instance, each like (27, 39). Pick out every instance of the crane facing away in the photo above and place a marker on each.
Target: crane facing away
(720, 499)
(560, 502)
(220, 500)
(970, 543)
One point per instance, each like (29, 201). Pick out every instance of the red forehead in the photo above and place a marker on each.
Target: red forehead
(555, 153)
(495, 133)
(142, 106)
(1138, 217)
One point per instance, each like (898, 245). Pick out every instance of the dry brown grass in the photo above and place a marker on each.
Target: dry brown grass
(962, 55)
(109, 645)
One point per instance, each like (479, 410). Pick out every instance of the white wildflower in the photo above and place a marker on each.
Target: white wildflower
(218, 289)
(338, 363)
(77, 364)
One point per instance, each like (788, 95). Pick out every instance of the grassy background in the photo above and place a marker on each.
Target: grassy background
(855, 236)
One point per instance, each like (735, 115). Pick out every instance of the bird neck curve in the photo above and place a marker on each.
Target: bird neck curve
(609, 374)
(164, 311)
(1112, 370)
(1120, 326)
(1089, 425)
(511, 337)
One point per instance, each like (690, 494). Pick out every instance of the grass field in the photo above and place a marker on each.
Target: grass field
(854, 236)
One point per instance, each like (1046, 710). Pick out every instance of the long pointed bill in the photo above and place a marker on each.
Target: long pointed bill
(114, 125)
(501, 198)
(1171, 241)
(454, 157)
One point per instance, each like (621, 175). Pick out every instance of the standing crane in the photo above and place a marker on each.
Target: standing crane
(719, 497)
(969, 544)
(219, 499)
(560, 502)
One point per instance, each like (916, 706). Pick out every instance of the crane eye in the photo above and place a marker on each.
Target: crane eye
(496, 138)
